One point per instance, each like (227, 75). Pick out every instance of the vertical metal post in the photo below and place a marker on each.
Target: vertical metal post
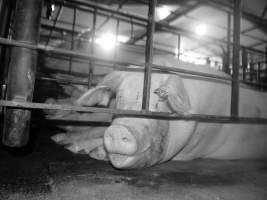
(178, 46)
(258, 72)
(91, 63)
(54, 23)
(22, 69)
(236, 61)
(149, 54)
(265, 63)
(116, 39)
(72, 37)
(228, 51)
(132, 29)
(244, 62)
(5, 16)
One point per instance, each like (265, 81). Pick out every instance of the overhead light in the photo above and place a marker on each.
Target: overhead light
(122, 38)
(201, 29)
(108, 40)
(53, 7)
(163, 12)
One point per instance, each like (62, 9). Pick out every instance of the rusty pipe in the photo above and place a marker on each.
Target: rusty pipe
(21, 74)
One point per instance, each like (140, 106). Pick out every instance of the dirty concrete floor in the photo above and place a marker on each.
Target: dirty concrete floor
(50, 172)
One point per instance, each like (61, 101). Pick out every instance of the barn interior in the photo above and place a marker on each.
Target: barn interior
(49, 48)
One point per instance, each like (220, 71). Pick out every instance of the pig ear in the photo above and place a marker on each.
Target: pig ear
(100, 95)
(173, 93)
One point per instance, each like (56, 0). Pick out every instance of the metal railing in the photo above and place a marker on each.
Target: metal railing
(147, 76)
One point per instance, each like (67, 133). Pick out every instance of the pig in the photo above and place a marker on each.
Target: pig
(134, 142)
(141, 142)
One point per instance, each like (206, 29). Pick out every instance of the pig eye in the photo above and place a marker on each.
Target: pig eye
(125, 139)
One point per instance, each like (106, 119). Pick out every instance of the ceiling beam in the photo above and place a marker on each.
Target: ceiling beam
(171, 17)
(260, 22)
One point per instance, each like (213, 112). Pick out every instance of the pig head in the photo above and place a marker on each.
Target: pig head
(132, 142)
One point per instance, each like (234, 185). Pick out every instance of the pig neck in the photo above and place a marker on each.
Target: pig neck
(204, 100)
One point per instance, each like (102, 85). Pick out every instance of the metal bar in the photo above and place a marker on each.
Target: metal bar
(171, 17)
(225, 28)
(5, 16)
(135, 114)
(228, 51)
(21, 77)
(132, 28)
(100, 7)
(236, 62)
(159, 25)
(266, 63)
(55, 22)
(257, 20)
(244, 63)
(226, 63)
(92, 50)
(72, 37)
(57, 51)
(109, 17)
(178, 46)
(149, 54)
(258, 71)
(116, 40)
(53, 50)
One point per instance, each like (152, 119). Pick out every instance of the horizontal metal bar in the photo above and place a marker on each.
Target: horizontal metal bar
(159, 25)
(50, 49)
(111, 62)
(102, 7)
(139, 114)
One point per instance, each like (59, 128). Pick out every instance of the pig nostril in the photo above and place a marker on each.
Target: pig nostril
(125, 139)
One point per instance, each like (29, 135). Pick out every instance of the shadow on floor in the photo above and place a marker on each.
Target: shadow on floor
(47, 171)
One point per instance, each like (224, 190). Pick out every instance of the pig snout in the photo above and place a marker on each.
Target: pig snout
(119, 140)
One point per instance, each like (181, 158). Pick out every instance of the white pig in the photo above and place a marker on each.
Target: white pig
(141, 142)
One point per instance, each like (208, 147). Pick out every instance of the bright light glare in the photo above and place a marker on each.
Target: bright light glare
(108, 40)
(201, 29)
(176, 52)
(122, 38)
(53, 7)
(192, 57)
(163, 12)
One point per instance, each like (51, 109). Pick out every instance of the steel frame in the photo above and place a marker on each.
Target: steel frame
(160, 26)
(197, 117)
(148, 69)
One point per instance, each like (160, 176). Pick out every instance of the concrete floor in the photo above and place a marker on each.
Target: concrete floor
(50, 172)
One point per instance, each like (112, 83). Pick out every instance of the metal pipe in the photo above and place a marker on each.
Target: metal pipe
(258, 72)
(149, 54)
(5, 16)
(135, 114)
(57, 51)
(236, 62)
(72, 37)
(54, 23)
(244, 63)
(109, 17)
(228, 51)
(178, 46)
(92, 50)
(266, 63)
(22, 69)
(52, 50)
(159, 25)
